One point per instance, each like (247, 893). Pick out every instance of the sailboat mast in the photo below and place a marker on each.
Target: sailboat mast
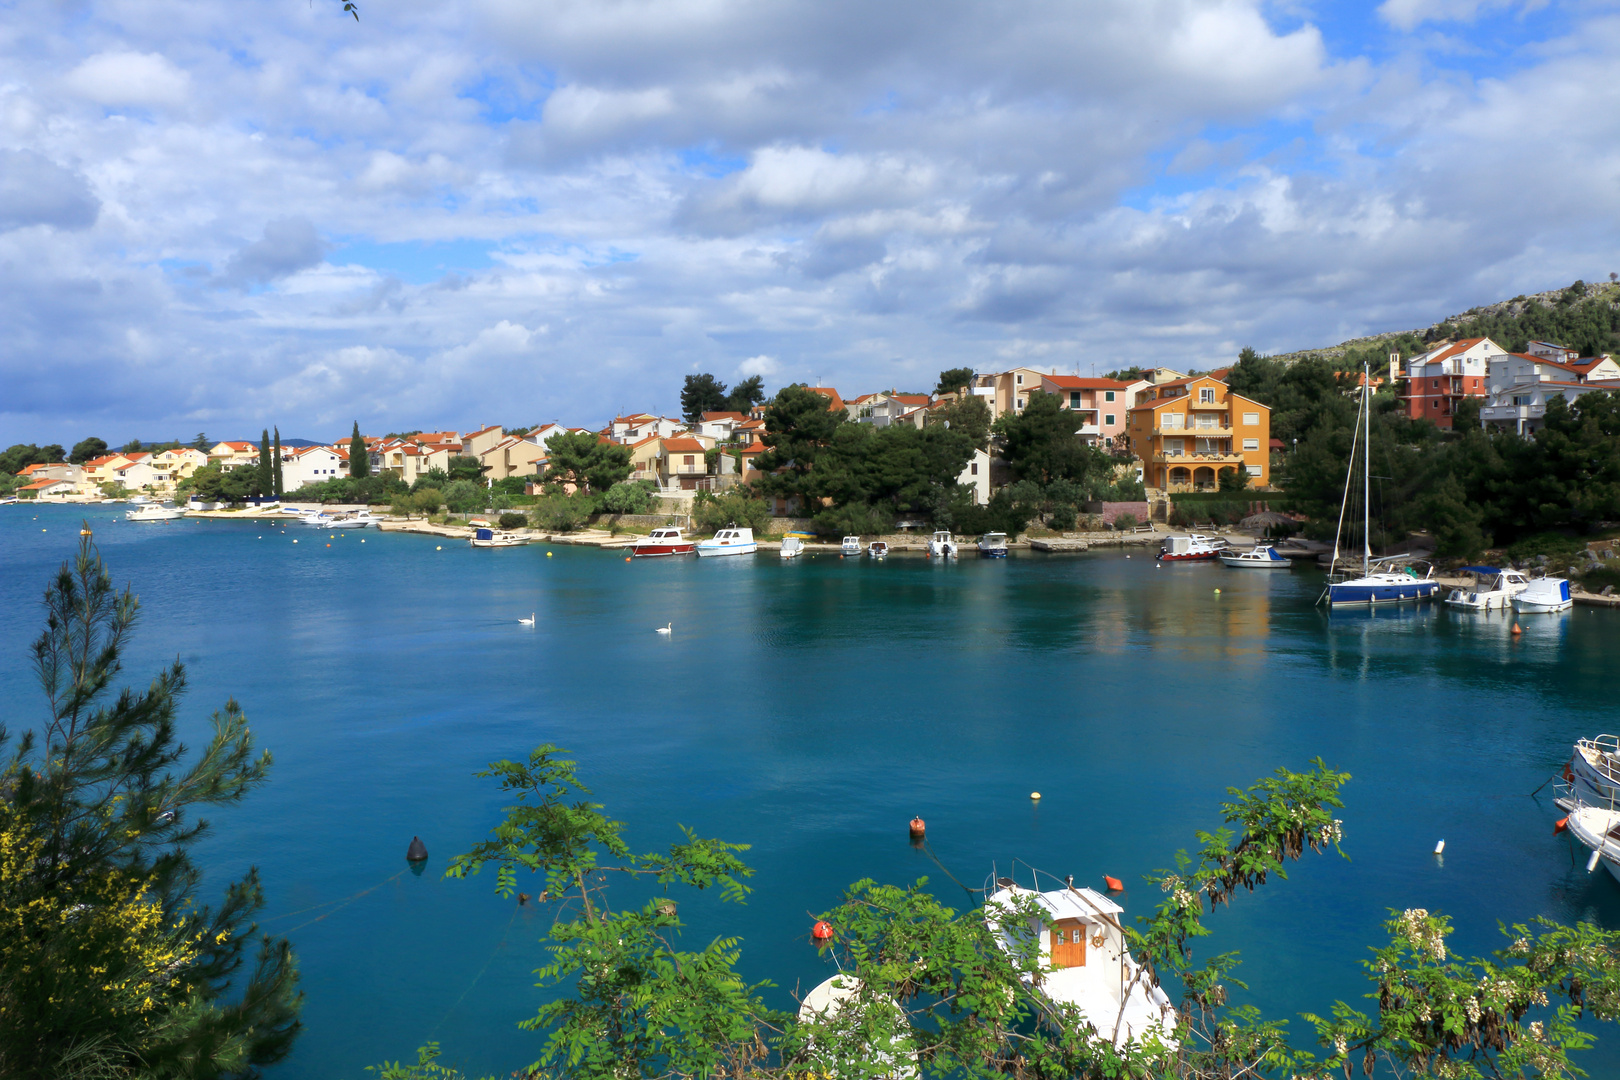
(1366, 472)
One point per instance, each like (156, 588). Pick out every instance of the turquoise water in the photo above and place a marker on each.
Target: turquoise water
(811, 709)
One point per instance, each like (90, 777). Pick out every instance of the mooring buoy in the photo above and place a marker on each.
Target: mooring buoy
(417, 851)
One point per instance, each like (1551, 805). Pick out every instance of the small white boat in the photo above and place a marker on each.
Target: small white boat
(1594, 770)
(1544, 595)
(1598, 829)
(840, 1004)
(358, 519)
(877, 549)
(942, 545)
(152, 512)
(993, 545)
(1078, 933)
(1193, 547)
(1499, 594)
(1259, 557)
(728, 541)
(495, 538)
(320, 519)
(665, 541)
(792, 547)
(850, 548)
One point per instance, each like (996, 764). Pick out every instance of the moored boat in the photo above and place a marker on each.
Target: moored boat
(850, 548)
(1598, 830)
(728, 541)
(993, 545)
(792, 547)
(877, 549)
(1594, 770)
(153, 512)
(1259, 557)
(1504, 586)
(1080, 942)
(665, 541)
(1545, 594)
(1194, 547)
(942, 545)
(494, 538)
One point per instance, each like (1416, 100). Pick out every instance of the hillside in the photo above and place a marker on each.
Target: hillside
(1586, 317)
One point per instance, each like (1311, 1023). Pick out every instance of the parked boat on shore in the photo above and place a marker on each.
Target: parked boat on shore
(1077, 932)
(1503, 586)
(665, 541)
(1259, 557)
(728, 541)
(496, 538)
(993, 545)
(1544, 595)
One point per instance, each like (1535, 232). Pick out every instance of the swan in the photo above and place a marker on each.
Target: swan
(527, 622)
(663, 629)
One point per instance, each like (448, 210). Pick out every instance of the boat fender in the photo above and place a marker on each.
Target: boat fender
(1113, 884)
(917, 828)
(1591, 864)
(1440, 848)
(822, 931)
(1560, 825)
(1569, 777)
(417, 852)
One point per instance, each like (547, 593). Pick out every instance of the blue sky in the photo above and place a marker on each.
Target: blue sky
(222, 217)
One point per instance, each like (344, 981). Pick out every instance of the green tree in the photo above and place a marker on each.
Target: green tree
(465, 467)
(952, 380)
(702, 393)
(1041, 444)
(109, 964)
(265, 480)
(18, 457)
(359, 457)
(746, 394)
(969, 415)
(465, 497)
(586, 460)
(627, 497)
(86, 449)
(1454, 520)
(711, 512)
(201, 442)
(278, 483)
(799, 426)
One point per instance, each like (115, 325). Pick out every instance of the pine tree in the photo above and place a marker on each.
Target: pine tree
(110, 963)
(359, 460)
(277, 481)
(265, 483)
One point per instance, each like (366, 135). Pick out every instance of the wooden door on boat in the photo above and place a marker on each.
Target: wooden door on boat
(1069, 944)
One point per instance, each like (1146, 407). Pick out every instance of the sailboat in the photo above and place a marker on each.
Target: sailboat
(1374, 586)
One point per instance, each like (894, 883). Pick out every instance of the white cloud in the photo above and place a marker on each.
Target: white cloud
(1409, 14)
(764, 366)
(129, 78)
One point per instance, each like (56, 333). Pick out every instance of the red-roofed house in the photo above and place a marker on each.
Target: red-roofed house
(721, 426)
(512, 456)
(311, 465)
(682, 463)
(233, 455)
(1191, 430)
(49, 488)
(1436, 382)
(55, 470)
(1104, 404)
(1546, 363)
(477, 442)
(836, 403)
(884, 408)
(98, 471)
(634, 428)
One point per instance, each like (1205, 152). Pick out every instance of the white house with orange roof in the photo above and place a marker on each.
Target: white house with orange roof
(233, 455)
(1523, 409)
(49, 488)
(100, 470)
(883, 408)
(138, 474)
(1436, 382)
(476, 442)
(638, 426)
(721, 426)
(1544, 362)
(311, 465)
(55, 470)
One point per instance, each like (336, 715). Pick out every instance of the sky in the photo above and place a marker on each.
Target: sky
(217, 217)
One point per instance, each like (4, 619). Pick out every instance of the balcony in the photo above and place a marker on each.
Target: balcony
(1195, 431)
(1229, 457)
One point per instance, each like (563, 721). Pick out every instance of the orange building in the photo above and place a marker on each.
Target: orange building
(1189, 431)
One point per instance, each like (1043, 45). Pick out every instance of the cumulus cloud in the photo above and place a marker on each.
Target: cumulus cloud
(1409, 14)
(763, 366)
(287, 246)
(36, 191)
(129, 78)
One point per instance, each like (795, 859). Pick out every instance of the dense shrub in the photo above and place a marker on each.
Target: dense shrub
(711, 511)
(510, 520)
(856, 519)
(561, 513)
(627, 497)
(464, 497)
(1125, 521)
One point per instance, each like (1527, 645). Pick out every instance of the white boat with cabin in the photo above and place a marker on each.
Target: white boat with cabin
(1259, 557)
(877, 549)
(494, 538)
(792, 547)
(1598, 830)
(153, 512)
(1594, 770)
(1544, 594)
(942, 545)
(1082, 945)
(1194, 547)
(993, 545)
(850, 548)
(1503, 586)
(728, 541)
(664, 541)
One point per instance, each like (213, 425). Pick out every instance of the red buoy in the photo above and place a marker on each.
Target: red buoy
(1560, 825)
(1516, 630)
(1113, 883)
(822, 931)
(916, 828)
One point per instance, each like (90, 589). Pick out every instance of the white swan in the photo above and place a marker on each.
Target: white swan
(527, 622)
(663, 629)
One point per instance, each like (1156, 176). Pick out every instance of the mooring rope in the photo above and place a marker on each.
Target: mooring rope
(487, 961)
(929, 851)
(340, 903)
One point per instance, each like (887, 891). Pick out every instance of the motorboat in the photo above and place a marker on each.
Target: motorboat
(494, 538)
(877, 549)
(842, 1005)
(792, 547)
(728, 541)
(1079, 947)
(851, 547)
(1259, 557)
(153, 512)
(665, 541)
(1194, 547)
(1544, 594)
(942, 545)
(993, 545)
(1504, 586)
(1598, 830)
(1373, 586)
(1593, 771)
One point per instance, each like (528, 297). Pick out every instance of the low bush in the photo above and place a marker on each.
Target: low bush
(561, 513)
(857, 519)
(711, 511)
(510, 520)
(628, 497)
(1125, 521)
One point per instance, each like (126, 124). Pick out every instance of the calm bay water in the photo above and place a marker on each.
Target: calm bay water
(810, 709)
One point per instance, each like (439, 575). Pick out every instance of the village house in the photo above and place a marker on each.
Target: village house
(1188, 431)
(512, 456)
(1103, 404)
(50, 487)
(632, 429)
(98, 471)
(56, 470)
(1543, 362)
(976, 476)
(138, 474)
(1523, 409)
(721, 426)
(1436, 382)
(311, 465)
(682, 463)
(1011, 390)
(476, 443)
(178, 463)
(884, 408)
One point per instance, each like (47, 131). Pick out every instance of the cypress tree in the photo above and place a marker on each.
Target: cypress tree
(359, 462)
(264, 463)
(277, 482)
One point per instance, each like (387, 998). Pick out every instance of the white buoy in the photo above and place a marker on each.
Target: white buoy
(1591, 864)
(1035, 795)
(1440, 848)
(436, 547)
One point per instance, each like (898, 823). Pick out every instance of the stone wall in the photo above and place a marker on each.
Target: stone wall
(1108, 511)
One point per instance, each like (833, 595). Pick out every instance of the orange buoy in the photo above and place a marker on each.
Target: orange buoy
(1560, 825)
(822, 931)
(627, 558)
(1113, 883)
(916, 827)
(1516, 630)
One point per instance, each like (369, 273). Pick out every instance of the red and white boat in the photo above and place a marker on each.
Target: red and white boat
(667, 541)
(1195, 547)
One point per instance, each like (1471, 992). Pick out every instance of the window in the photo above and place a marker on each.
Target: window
(1020, 403)
(1251, 444)
(1108, 395)
(1108, 418)
(1018, 380)
(1251, 419)
(1074, 399)
(973, 469)
(688, 459)
(1172, 422)
(1206, 395)
(1255, 470)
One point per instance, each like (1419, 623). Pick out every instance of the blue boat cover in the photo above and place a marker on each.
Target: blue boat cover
(1481, 570)
(484, 534)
